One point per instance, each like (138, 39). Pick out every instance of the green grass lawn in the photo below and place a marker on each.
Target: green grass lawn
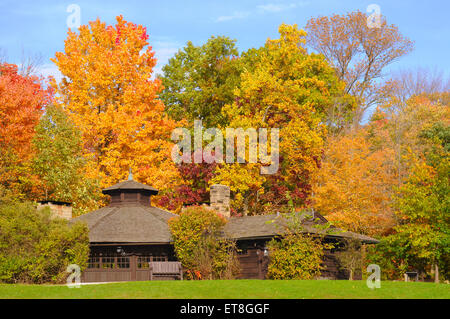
(240, 289)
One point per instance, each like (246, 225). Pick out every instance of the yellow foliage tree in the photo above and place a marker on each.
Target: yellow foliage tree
(291, 90)
(108, 92)
(398, 125)
(354, 186)
(362, 169)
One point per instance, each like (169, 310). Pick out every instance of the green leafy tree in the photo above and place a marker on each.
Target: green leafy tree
(59, 164)
(422, 239)
(36, 248)
(199, 80)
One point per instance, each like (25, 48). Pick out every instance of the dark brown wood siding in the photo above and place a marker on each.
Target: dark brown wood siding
(253, 259)
(254, 262)
(108, 265)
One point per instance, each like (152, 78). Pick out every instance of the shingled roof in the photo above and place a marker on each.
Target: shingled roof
(130, 218)
(128, 224)
(270, 225)
(130, 185)
(142, 224)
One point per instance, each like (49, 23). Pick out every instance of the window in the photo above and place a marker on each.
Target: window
(123, 262)
(142, 261)
(243, 251)
(159, 258)
(108, 262)
(94, 262)
(130, 196)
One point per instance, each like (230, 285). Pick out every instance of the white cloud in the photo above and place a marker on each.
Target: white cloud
(279, 7)
(164, 50)
(262, 9)
(235, 15)
(275, 7)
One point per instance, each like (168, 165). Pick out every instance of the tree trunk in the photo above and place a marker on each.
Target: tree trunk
(246, 206)
(436, 273)
(351, 274)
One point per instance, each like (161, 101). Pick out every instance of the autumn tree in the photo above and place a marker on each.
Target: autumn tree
(359, 54)
(199, 80)
(199, 246)
(22, 100)
(419, 81)
(193, 190)
(354, 185)
(108, 92)
(421, 241)
(59, 164)
(397, 125)
(287, 89)
(362, 169)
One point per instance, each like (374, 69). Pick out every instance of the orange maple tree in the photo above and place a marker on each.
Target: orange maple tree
(354, 186)
(108, 91)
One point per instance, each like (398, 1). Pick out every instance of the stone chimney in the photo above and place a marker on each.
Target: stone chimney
(58, 209)
(220, 199)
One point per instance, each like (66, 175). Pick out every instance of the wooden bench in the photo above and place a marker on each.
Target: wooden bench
(412, 275)
(165, 269)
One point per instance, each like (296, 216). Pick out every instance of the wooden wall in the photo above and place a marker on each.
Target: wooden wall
(254, 262)
(134, 269)
(253, 259)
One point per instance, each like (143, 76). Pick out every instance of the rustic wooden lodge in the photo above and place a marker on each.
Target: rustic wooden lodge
(129, 233)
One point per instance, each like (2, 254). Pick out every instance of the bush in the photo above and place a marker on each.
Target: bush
(199, 247)
(384, 255)
(36, 248)
(350, 257)
(215, 258)
(295, 256)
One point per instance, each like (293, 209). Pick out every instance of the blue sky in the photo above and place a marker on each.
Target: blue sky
(39, 27)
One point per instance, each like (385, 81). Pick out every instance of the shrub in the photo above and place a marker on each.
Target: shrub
(36, 248)
(350, 257)
(295, 256)
(199, 246)
(216, 258)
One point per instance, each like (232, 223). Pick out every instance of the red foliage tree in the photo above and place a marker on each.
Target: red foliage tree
(194, 190)
(22, 100)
